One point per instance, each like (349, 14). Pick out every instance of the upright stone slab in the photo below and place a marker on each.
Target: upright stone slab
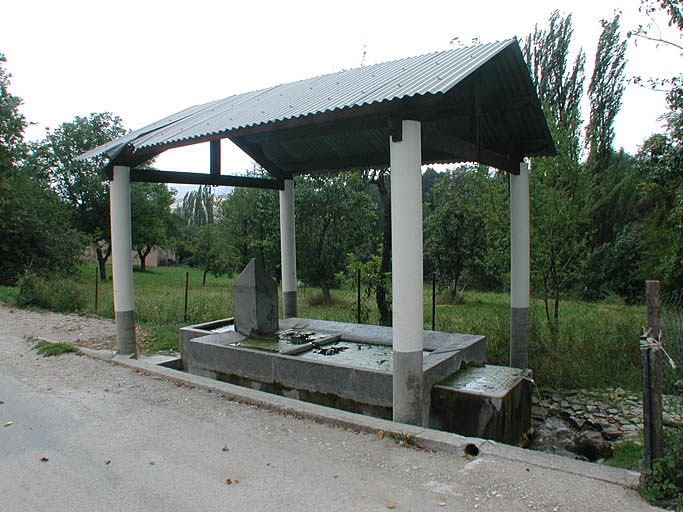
(255, 302)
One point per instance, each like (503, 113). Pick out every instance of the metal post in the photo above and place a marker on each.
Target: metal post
(97, 287)
(122, 247)
(187, 287)
(519, 268)
(407, 285)
(288, 250)
(358, 301)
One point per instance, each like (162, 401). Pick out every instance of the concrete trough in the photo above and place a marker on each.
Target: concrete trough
(358, 378)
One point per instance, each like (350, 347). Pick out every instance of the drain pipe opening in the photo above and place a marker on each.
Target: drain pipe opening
(471, 450)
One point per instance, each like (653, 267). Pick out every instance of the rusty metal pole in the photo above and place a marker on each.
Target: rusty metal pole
(187, 286)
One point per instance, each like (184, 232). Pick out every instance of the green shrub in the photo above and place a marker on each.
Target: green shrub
(57, 294)
(664, 483)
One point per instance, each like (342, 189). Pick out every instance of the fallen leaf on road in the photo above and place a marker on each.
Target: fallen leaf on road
(49, 389)
(391, 505)
(107, 461)
(318, 420)
(228, 481)
(8, 424)
(106, 389)
(225, 448)
(236, 481)
(363, 495)
(151, 462)
(335, 476)
(1, 402)
(44, 459)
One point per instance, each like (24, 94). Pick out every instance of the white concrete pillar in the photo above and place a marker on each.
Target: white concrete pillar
(519, 268)
(288, 250)
(121, 249)
(406, 267)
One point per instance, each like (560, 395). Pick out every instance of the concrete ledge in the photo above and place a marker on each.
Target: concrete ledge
(434, 439)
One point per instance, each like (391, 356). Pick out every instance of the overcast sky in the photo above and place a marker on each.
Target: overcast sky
(143, 60)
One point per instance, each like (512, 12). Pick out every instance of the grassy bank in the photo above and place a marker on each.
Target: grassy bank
(596, 347)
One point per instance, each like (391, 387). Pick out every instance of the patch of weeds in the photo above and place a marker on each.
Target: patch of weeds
(45, 348)
(627, 455)
(663, 485)
(403, 439)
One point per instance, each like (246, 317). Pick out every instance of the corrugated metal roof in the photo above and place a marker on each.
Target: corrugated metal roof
(430, 74)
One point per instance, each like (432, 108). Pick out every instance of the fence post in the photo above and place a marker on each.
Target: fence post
(651, 359)
(97, 286)
(187, 284)
(433, 301)
(358, 300)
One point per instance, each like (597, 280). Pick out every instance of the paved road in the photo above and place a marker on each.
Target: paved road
(101, 427)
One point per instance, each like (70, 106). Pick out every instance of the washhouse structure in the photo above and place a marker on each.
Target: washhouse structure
(472, 104)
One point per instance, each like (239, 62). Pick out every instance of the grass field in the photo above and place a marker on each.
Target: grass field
(597, 346)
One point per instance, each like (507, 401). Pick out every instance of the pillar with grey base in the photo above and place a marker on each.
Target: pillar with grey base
(121, 249)
(288, 250)
(519, 268)
(406, 249)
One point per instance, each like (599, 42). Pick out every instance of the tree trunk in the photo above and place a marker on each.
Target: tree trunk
(101, 261)
(383, 305)
(143, 257)
(206, 271)
(325, 288)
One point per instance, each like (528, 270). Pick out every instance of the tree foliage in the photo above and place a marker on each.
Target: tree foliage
(82, 184)
(153, 222)
(249, 219)
(452, 231)
(605, 93)
(35, 233)
(197, 207)
(557, 210)
(334, 217)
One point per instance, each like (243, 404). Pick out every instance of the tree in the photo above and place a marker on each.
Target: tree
(249, 219)
(660, 161)
(151, 217)
(605, 92)
(558, 207)
(197, 208)
(36, 233)
(382, 279)
(213, 253)
(334, 218)
(34, 225)
(82, 184)
(12, 124)
(452, 231)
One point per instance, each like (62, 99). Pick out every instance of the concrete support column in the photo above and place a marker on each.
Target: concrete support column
(288, 250)
(121, 249)
(406, 267)
(519, 268)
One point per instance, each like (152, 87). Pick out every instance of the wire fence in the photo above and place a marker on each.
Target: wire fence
(671, 321)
